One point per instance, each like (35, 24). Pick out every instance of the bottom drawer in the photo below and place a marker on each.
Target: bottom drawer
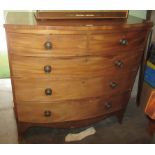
(70, 110)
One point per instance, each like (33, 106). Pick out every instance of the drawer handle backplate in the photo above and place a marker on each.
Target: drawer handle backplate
(108, 105)
(48, 45)
(47, 69)
(124, 42)
(113, 84)
(48, 91)
(47, 113)
(119, 64)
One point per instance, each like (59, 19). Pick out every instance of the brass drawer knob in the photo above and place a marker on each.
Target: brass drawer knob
(47, 113)
(48, 45)
(113, 84)
(47, 69)
(119, 64)
(48, 91)
(108, 105)
(124, 42)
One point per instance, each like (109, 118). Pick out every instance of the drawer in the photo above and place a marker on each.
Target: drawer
(101, 43)
(55, 90)
(74, 67)
(71, 110)
(47, 45)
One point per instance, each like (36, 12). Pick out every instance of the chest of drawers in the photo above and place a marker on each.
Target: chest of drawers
(71, 73)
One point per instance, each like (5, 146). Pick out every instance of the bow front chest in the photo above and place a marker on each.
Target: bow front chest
(71, 73)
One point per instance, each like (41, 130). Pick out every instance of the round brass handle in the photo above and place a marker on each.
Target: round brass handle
(124, 42)
(47, 69)
(48, 45)
(113, 84)
(48, 91)
(47, 113)
(108, 105)
(119, 63)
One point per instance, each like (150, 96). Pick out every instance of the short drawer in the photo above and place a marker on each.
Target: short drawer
(70, 110)
(56, 90)
(47, 45)
(102, 43)
(74, 67)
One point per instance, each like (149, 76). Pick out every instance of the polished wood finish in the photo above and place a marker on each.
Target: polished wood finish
(109, 42)
(73, 110)
(85, 66)
(60, 43)
(74, 45)
(28, 23)
(80, 14)
(22, 127)
(71, 73)
(34, 89)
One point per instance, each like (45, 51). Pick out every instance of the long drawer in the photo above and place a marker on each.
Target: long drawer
(74, 67)
(70, 110)
(74, 45)
(55, 90)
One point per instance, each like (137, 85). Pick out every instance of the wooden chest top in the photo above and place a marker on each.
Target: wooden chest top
(27, 20)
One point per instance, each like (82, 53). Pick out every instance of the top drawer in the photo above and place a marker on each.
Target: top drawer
(101, 43)
(74, 45)
(42, 45)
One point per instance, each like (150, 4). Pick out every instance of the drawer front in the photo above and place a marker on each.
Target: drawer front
(74, 67)
(53, 90)
(47, 45)
(70, 110)
(100, 44)
(74, 45)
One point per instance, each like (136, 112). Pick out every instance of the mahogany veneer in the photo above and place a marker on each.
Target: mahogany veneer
(80, 14)
(71, 73)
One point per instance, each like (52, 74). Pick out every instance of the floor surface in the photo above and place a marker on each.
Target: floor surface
(109, 131)
(8, 130)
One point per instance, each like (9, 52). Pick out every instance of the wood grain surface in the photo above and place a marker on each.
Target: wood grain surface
(70, 110)
(34, 89)
(75, 67)
(84, 57)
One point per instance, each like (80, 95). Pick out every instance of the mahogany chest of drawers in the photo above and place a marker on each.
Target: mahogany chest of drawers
(71, 73)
